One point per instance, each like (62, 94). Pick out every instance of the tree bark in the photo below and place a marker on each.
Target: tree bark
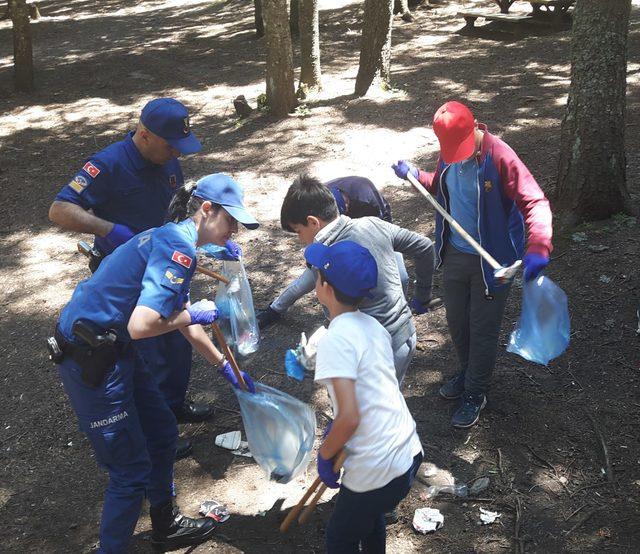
(259, 23)
(22, 48)
(294, 17)
(310, 75)
(281, 96)
(592, 167)
(375, 53)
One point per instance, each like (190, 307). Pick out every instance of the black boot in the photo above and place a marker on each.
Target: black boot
(172, 530)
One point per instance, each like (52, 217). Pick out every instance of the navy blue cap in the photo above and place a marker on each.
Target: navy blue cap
(349, 267)
(220, 188)
(169, 119)
(337, 194)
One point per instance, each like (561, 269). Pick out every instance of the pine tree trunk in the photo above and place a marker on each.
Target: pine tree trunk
(281, 96)
(375, 54)
(259, 23)
(294, 17)
(591, 174)
(22, 48)
(309, 47)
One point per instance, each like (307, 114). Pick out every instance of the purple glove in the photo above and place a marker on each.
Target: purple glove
(418, 307)
(227, 372)
(402, 168)
(234, 252)
(203, 312)
(119, 235)
(326, 473)
(327, 430)
(533, 265)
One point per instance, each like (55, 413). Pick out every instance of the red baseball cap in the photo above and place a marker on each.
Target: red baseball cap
(454, 125)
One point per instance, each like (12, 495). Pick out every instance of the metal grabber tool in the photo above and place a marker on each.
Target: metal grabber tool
(501, 274)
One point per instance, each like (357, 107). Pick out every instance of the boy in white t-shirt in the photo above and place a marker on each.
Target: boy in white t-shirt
(372, 422)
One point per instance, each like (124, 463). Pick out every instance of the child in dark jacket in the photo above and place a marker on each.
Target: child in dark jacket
(489, 191)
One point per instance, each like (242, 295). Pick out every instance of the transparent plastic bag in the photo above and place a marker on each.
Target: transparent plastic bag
(280, 431)
(542, 332)
(236, 300)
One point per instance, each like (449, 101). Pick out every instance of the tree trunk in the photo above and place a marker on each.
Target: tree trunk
(591, 174)
(309, 47)
(22, 49)
(259, 23)
(375, 54)
(281, 96)
(294, 17)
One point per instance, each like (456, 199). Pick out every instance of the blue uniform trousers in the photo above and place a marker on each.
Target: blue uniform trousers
(133, 434)
(168, 357)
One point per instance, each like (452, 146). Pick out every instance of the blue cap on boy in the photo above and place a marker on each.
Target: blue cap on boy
(349, 267)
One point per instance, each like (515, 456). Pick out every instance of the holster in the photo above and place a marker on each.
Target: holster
(94, 361)
(95, 258)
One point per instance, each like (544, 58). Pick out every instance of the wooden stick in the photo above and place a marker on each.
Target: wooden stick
(229, 355)
(306, 513)
(212, 274)
(605, 450)
(293, 514)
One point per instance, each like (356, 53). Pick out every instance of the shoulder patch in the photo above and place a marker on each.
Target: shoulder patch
(78, 183)
(173, 181)
(144, 239)
(181, 258)
(91, 169)
(173, 278)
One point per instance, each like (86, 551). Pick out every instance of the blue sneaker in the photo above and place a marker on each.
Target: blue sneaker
(468, 413)
(453, 388)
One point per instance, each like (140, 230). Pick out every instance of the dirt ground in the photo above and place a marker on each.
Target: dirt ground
(98, 63)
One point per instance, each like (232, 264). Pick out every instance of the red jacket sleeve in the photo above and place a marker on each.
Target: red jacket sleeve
(428, 180)
(520, 186)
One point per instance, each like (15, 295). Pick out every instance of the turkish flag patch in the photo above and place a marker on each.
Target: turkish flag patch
(181, 258)
(91, 169)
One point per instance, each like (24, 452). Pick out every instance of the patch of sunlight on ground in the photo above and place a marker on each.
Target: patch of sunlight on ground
(50, 260)
(5, 496)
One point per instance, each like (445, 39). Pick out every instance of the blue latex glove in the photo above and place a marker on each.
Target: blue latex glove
(418, 307)
(292, 366)
(533, 265)
(227, 372)
(203, 312)
(326, 473)
(327, 430)
(119, 235)
(402, 168)
(230, 252)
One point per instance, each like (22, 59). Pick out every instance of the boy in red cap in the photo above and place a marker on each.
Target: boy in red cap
(489, 191)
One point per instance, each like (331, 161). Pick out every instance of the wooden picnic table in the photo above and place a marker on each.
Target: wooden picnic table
(552, 6)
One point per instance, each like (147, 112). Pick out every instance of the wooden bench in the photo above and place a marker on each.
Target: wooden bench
(509, 18)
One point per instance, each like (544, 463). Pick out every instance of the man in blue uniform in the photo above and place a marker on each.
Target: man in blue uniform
(123, 190)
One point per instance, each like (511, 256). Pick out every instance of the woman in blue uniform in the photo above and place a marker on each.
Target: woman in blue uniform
(139, 291)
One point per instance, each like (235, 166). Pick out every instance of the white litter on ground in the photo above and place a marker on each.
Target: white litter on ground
(427, 520)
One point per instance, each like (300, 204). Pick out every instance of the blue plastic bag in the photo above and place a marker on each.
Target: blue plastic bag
(235, 302)
(280, 431)
(542, 332)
